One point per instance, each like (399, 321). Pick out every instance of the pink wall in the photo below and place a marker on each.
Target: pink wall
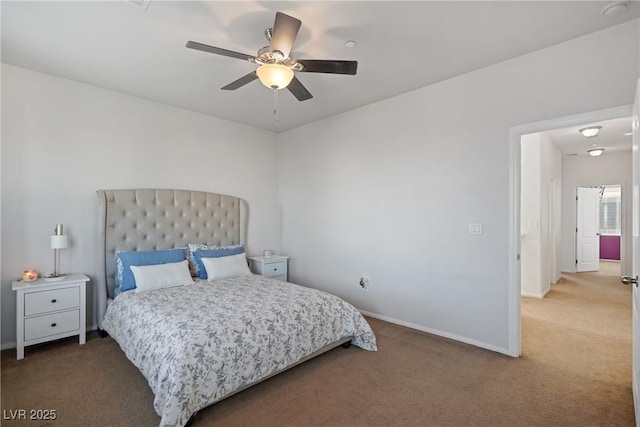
(610, 247)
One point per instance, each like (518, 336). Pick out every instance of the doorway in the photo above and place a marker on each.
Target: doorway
(599, 227)
(611, 204)
(565, 254)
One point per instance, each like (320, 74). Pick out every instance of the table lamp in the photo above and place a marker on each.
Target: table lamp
(58, 241)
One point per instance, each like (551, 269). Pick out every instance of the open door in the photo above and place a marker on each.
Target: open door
(633, 280)
(588, 229)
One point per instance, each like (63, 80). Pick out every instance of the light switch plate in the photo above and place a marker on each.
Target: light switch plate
(475, 228)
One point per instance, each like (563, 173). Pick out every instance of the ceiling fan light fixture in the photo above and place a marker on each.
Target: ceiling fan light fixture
(595, 152)
(275, 67)
(275, 76)
(590, 131)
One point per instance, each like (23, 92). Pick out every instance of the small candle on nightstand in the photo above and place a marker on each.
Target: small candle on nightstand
(29, 275)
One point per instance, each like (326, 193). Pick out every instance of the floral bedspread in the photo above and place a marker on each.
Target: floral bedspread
(196, 344)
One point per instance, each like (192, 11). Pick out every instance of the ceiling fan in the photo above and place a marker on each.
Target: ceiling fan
(276, 68)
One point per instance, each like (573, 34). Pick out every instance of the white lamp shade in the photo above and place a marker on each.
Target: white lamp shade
(275, 76)
(59, 242)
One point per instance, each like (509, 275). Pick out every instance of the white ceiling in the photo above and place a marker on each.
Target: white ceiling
(615, 135)
(401, 46)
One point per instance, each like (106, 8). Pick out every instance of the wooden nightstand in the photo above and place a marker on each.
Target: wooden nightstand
(274, 266)
(49, 310)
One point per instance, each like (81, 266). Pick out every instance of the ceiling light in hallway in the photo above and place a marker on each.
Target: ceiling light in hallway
(590, 131)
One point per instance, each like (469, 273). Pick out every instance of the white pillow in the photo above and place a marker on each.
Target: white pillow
(150, 277)
(227, 266)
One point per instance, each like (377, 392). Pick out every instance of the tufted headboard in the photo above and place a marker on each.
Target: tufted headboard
(149, 219)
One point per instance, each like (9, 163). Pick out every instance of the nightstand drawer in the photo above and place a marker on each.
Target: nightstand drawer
(51, 324)
(53, 300)
(274, 269)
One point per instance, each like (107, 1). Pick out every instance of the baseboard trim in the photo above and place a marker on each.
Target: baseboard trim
(7, 346)
(636, 393)
(531, 295)
(439, 333)
(536, 295)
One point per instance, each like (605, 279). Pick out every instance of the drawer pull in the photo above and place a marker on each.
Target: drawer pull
(275, 269)
(54, 300)
(53, 325)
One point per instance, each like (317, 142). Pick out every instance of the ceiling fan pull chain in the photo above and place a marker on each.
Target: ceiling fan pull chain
(275, 105)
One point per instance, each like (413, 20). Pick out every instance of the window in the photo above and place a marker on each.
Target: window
(610, 217)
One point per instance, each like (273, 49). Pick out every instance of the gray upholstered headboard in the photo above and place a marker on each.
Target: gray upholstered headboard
(149, 219)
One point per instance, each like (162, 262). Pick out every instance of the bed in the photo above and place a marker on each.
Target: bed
(208, 339)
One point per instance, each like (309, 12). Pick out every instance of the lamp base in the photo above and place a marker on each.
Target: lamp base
(54, 278)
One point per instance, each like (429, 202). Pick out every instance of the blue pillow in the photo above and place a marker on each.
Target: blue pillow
(213, 253)
(124, 260)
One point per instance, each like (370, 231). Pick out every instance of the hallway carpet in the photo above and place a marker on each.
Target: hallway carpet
(575, 370)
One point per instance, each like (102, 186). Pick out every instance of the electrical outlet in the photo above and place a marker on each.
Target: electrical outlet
(364, 282)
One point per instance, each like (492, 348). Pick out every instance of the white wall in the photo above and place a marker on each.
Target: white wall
(530, 243)
(389, 189)
(62, 141)
(540, 178)
(550, 210)
(609, 168)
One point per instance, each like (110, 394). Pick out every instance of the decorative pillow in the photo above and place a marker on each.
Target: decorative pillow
(197, 270)
(212, 253)
(228, 266)
(124, 260)
(150, 277)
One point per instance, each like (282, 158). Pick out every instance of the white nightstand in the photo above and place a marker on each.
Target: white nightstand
(274, 266)
(49, 310)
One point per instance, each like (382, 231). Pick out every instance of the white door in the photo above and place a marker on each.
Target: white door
(588, 229)
(635, 214)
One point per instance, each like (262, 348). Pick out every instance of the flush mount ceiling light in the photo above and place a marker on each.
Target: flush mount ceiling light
(142, 4)
(275, 76)
(616, 8)
(591, 131)
(595, 152)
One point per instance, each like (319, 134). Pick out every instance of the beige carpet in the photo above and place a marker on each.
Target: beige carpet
(575, 371)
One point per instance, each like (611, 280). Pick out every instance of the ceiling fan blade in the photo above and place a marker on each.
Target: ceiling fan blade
(219, 51)
(298, 90)
(241, 81)
(328, 66)
(285, 30)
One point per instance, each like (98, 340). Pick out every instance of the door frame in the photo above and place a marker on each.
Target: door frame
(552, 231)
(513, 251)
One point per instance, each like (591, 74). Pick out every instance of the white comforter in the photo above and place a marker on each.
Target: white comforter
(197, 344)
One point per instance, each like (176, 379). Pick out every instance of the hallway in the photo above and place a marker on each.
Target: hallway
(583, 328)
